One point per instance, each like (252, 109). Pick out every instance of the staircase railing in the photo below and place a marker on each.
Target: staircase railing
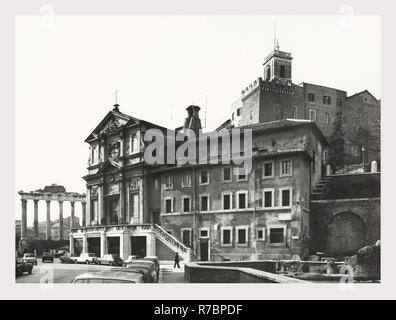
(183, 250)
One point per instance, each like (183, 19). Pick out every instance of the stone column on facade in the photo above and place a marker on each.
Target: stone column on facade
(23, 219)
(71, 244)
(88, 207)
(35, 219)
(150, 244)
(48, 220)
(124, 245)
(100, 208)
(122, 202)
(128, 203)
(141, 200)
(72, 215)
(103, 244)
(61, 232)
(84, 213)
(85, 243)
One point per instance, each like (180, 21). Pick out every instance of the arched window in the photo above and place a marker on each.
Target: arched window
(268, 73)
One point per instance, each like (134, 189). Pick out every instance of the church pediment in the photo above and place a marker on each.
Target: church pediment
(111, 122)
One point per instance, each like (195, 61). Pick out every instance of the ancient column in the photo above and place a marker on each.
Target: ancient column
(35, 221)
(72, 215)
(84, 213)
(71, 244)
(48, 221)
(23, 219)
(61, 235)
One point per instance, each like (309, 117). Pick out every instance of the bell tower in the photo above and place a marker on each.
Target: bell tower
(278, 65)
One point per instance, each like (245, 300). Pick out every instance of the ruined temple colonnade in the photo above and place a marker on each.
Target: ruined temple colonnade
(36, 196)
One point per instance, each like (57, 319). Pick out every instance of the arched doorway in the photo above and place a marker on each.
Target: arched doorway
(345, 234)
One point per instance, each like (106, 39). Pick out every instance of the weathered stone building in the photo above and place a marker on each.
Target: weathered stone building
(274, 96)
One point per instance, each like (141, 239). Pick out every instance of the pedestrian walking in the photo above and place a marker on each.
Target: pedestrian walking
(176, 261)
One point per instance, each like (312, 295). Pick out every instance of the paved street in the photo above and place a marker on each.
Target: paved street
(64, 273)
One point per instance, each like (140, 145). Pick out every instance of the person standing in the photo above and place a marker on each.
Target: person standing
(177, 259)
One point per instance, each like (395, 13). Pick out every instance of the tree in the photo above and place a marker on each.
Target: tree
(336, 154)
(357, 124)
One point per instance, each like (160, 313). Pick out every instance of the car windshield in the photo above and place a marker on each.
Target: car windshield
(46, 254)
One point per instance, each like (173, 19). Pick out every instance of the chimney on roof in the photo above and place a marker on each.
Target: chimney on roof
(193, 121)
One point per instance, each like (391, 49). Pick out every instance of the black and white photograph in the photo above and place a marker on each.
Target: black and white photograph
(162, 149)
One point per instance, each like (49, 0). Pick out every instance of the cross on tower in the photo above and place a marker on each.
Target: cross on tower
(116, 96)
(116, 105)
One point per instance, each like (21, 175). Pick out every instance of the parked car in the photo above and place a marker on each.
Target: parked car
(47, 256)
(145, 270)
(30, 258)
(148, 264)
(130, 259)
(67, 258)
(108, 277)
(156, 262)
(132, 270)
(60, 253)
(111, 260)
(87, 258)
(21, 267)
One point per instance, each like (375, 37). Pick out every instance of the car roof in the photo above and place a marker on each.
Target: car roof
(139, 265)
(151, 257)
(133, 270)
(110, 275)
(143, 261)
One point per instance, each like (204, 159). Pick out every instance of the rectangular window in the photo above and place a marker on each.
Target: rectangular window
(204, 233)
(260, 233)
(339, 102)
(204, 203)
(226, 174)
(286, 168)
(239, 111)
(168, 205)
(186, 180)
(226, 236)
(327, 100)
(285, 197)
(186, 237)
(276, 235)
(241, 176)
(242, 199)
(134, 205)
(268, 170)
(156, 184)
(186, 204)
(268, 196)
(226, 201)
(168, 182)
(312, 115)
(94, 210)
(311, 97)
(327, 118)
(241, 236)
(204, 177)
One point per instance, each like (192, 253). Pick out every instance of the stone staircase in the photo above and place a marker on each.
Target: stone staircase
(172, 242)
(320, 189)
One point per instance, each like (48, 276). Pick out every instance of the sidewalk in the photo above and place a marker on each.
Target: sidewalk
(168, 274)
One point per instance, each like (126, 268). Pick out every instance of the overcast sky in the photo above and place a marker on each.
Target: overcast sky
(68, 67)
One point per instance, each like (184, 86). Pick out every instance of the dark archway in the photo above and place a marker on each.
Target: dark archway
(345, 234)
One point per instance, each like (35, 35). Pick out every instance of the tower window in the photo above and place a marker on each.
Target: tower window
(282, 71)
(239, 111)
(327, 100)
(311, 97)
(268, 73)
